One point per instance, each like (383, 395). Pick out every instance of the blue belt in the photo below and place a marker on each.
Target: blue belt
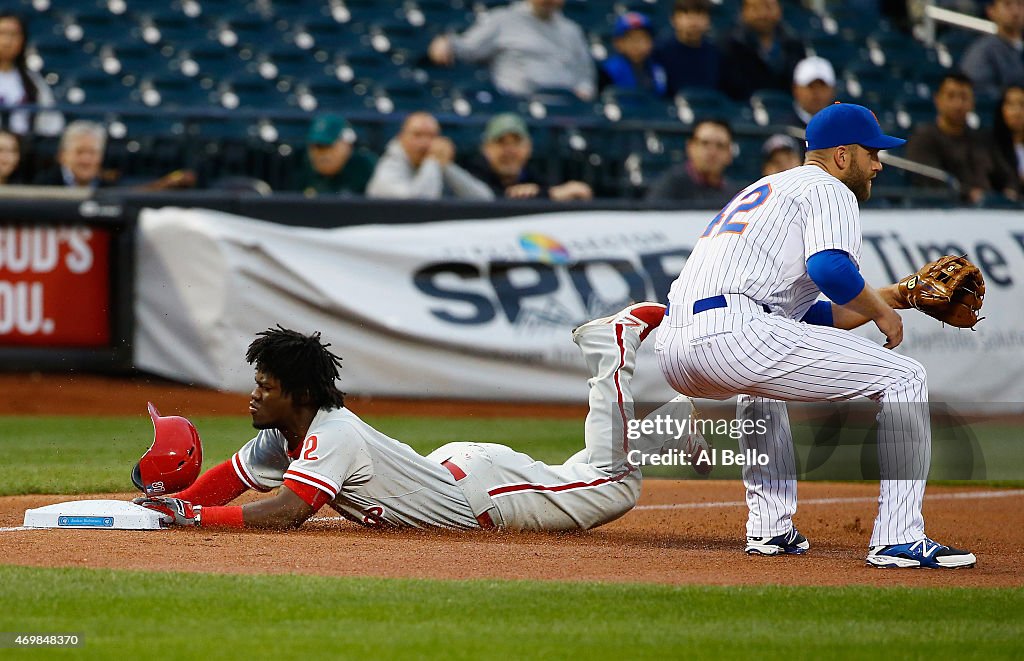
(714, 302)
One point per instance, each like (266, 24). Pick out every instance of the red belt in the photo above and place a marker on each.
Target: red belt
(484, 519)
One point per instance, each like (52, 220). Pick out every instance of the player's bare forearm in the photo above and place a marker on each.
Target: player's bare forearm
(284, 510)
(870, 304)
(848, 318)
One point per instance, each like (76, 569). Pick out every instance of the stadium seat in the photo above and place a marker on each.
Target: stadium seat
(207, 61)
(557, 102)
(85, 87)
(175, 91)
(401, 94)
(249, 90)
(244, 31)
(771, 106)
(288, 63)
(330, 95)
(912, 111)
(628, 104)
(698, 103)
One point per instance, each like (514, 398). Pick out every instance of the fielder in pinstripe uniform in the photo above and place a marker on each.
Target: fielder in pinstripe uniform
(744, 319)
(316, 452)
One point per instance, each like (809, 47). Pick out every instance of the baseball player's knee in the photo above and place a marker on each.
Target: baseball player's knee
(912, 379)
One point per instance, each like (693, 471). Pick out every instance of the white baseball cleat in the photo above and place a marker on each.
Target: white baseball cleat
(644, 317)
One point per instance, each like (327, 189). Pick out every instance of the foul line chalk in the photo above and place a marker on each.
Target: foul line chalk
(968, 495)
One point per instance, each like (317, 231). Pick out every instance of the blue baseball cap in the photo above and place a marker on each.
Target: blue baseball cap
(631, 20)
(847, 124)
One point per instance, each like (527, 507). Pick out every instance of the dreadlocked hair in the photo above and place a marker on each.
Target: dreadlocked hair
(303, 365)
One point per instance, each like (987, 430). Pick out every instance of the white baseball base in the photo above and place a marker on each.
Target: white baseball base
(93, 514)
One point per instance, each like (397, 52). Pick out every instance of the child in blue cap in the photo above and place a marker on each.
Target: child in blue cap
(631, 65)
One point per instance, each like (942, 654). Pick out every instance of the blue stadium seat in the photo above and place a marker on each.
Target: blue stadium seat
(250, 90)
(956, 41)
(874, 86)
(839, 52)
(403, 95)
(60, 57)
(100, 28)
(558, 102)
(135, 58)
(207, 61)
(628, 104)
(442, 16)
(85, 87)
(251, 31)
(698, 103)
(331, 95)
(174, 30)
(177, 91)
(290, 63)
(771, 106)
(408, 41)
(912, 111)
(484, 99)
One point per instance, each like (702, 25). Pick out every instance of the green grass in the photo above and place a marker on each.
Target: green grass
(144, 615)
(68, 455)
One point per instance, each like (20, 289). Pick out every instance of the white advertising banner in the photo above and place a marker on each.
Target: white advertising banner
(484, 309)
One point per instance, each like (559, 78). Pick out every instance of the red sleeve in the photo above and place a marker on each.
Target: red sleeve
(223, 517)
(217, 486)
(314, 497)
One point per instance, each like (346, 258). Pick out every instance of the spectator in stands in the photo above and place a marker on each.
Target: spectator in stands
(761, 52)
(779, 153)
(80, 162)
(420, 164)
(950, 144)
(10, 158)
(701, 178)
(631, 65)
(528, 45)
(79, 157)
(503, 164)
(20, 86)
(996, 60)
(333, 165)
(1008, 143)
(689, 55)
(814, 87)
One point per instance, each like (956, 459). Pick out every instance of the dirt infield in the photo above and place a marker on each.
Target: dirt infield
(682, 532)
(698, 540)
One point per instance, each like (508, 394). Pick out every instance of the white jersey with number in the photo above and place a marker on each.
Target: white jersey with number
(763, 237)
(754, 254)
(371, 477)
(374, 479)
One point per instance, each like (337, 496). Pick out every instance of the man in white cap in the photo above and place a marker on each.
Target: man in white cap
(814, 88)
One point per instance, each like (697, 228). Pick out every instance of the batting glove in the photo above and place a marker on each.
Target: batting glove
(175, 511)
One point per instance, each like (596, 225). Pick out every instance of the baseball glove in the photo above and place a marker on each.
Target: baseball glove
(950, 289)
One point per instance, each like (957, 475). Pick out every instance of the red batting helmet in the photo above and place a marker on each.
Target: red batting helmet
(172, 463)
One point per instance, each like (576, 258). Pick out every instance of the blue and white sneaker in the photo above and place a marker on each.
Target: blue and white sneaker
(792, 543)
(922, 553)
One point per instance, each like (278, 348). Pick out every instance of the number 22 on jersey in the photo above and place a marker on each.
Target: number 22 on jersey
(739, 204)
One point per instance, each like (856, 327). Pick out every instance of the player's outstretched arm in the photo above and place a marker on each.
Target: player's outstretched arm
(848, 319)
(217, 486)
(284, 510)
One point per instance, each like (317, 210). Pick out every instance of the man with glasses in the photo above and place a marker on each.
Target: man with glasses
(701, 177)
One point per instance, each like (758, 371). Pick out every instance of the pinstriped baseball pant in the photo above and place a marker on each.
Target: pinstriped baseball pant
(768, 360)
